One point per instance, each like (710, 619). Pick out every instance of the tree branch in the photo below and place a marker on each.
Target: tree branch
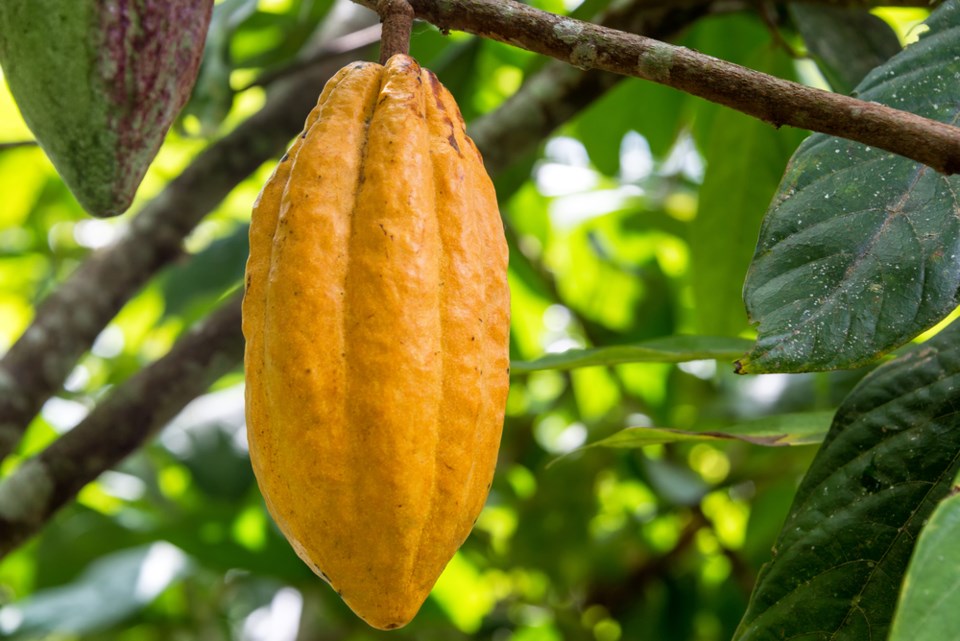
(138, 408)
(4, 146)
(69, 319)
(773, 100)
(558, 91)
(120, 424)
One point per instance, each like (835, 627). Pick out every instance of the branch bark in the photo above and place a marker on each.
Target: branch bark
(773, 100)
(117, 426)
(140, 407)
(69, 320)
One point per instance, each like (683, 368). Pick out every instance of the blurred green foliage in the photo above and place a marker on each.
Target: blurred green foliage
(636, 222)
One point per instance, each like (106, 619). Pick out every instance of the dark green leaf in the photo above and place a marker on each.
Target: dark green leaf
(672, 349)
(206, 438)
(786, 429)
(846, 42)
(457, 64)
(858, 253)
(928, 605)
(745, 161)
(889, 458)
(207, 275)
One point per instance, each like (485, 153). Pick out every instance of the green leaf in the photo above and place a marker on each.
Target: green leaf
(786, 429)
(889, 458)
(204, 436)
(745, 159)
(457, 65)
(846, 42)
(200, 281)
(212, 95)
(734, 37)
(928, 604)
(110, 590)
(672, 349)
(858, 253)
(649, 109)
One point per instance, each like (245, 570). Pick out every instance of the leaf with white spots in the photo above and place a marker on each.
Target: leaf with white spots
(860, 249)
(889, 458)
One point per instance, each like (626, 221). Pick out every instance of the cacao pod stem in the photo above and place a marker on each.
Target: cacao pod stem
(397, 18)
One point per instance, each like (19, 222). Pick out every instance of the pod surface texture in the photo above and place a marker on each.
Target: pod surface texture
(376, 314)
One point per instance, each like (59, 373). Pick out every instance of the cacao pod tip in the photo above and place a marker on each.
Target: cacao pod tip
(102, 205)
(101, 95)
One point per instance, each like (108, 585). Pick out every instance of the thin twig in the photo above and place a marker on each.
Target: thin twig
(773, 100)
(4, 146)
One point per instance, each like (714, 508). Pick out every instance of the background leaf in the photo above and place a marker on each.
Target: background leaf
(745, 160)
(890, 457)
(858, 253)
(672, 349)
(647, 108)
(786, 429)
(111, 589)
(928, 605)
(197, 284)
(846, 42)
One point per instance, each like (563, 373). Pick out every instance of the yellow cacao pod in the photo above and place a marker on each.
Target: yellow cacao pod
(376, 315)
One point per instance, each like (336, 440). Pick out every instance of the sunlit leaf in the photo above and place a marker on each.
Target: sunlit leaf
(858, 253)
(672, 349)
(23, 173)
(890, 456)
